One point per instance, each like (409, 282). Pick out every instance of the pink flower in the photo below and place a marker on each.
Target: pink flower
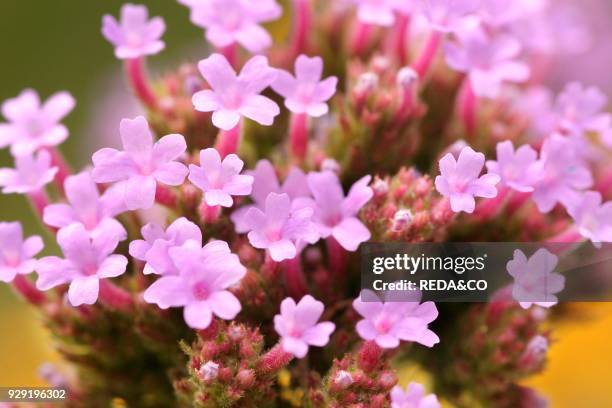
(593, 219)
(336, 215)
(220, 180)
(561, 174)
(266, 182)
(488, 61)
(377, 12)
(17, 254)
(298, 328)
(459, 180)
(306, 92)
(449, 16)
(142, 164)
(580, 109)
(87, 260)
(280, 229)
(413, 397)
(201, 286)
(234, 96)
(236, 21)
(534, 279)
(31, 125)
(87, 207)
(31, 173)
(155, 247)
(135, 35)
(389, 322)
(515, 168)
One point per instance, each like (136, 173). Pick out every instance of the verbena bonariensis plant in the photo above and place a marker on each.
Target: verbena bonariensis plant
(370, 122)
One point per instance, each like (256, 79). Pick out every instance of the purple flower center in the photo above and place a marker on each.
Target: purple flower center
(232, 98)
(383, 324)
(305, 92)
(200, 290)
(33, 127)
(134, 39)
(12, 259)
(274, 234)
(294, 330)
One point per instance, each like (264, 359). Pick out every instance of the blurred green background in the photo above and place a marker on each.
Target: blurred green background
(51, 46)
(57, 45)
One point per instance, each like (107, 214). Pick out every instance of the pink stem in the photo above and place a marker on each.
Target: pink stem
(28, 290)
(400, 45)
(302, 17)
(114, 296)
(361, 38)
(228, 141)
(407, 105)
(58, 160)
(425, 59)
(337, 257)
(165, 196)
(139, 81)
(231, 54)
(489, 208)
(294, 277)
(298, 136)
(570, 235)
(39, 201)
(209, 214)
(467, 106)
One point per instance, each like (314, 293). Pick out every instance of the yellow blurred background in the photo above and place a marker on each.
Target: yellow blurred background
(56, 45)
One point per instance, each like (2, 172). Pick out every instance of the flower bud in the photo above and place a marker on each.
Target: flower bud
(245, 378)
(343, 379)
(330, 165)
(401, 219)
(366, 83)
(406, 77)
(209, 371)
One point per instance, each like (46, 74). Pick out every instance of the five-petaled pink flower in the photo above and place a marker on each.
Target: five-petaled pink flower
(535, 281)
(32, 125)
(87, 260)
(17, 254)
(266, 182)
(142, 164)
(306, 92)
(201, 286)
(516, 169)
(460, 180)
(488, 61)
(413, 397)
(279, 228)
(86, 206)
(298, 328)
(336, 215)
(562, 174)
(220, 180)
(31, 173)
(235, 21)
(593, 219)
(580, 109)
(155, 247)
(387, 323)
(135, 35)
(234, 96)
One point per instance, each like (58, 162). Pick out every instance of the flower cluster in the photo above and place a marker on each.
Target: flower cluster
(215, 253)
